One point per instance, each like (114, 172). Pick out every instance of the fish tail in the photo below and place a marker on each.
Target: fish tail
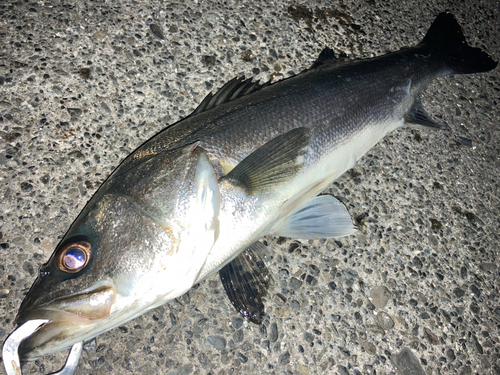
(445, 40)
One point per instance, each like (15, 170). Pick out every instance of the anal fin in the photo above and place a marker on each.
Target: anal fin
(320, 217)
(418, 118)
(246, 280)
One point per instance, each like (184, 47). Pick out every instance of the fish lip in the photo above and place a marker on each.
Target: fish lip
(52, 315)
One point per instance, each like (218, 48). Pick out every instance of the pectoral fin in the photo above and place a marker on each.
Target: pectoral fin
(246, 280)
(321, 217)
(275, 162)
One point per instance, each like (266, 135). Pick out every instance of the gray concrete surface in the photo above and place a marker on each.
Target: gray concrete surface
(415, 291)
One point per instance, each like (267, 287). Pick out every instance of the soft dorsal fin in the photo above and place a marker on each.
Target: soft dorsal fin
(235, 88)
(327, 56)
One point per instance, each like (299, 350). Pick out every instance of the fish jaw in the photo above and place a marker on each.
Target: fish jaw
(69, 320)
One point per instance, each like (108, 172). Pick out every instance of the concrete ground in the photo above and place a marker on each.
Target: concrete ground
(415, 291)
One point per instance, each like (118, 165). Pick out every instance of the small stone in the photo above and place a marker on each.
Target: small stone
(84, 73)
(488, 267)
(156, 31)
(90, 347)
(429, 335)
(314, 270)
(458, 292)
(295, 305)
(379, 296)
(358, 318)
(263, 330)
(436, 224)
(474, 289)
(75, 113)
(464, 141)
(265, 345)
(184, 370)
(26, 186)
(283, 274)
(463, 273)
(370, 348)
(308, 336)
(417, 262)
(28, 268)
(407, 363)
(295, 283)
(292, 247)
(237, 322)
(334, 318)
(284, 358)
(311, 280)
(238, 336)
(342, 370)
(242, 357)
(424, 315)
(273, 332)
(385, 321)
(218, 342)
(247, 55)
(350, 274)
(477, 344)
(208, 60)
(375, 328)
(450, 354)
(303, 369)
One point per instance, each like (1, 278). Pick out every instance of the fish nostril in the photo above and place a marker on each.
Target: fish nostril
(44, 272)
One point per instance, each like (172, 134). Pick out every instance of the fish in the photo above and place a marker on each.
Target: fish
(197, 198)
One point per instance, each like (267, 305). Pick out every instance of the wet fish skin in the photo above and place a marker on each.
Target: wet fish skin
(149, 241)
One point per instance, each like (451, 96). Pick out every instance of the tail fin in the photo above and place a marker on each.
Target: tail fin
(446, 39)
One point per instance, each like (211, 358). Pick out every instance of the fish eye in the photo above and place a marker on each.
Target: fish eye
(74, 256)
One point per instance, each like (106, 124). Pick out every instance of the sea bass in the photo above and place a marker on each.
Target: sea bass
(196, 198)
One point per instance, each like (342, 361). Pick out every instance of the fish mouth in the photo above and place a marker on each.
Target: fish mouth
(70, 319)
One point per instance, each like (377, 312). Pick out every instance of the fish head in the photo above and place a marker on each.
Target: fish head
(141, 241)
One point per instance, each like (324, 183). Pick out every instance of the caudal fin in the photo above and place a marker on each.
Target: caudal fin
(446, 39)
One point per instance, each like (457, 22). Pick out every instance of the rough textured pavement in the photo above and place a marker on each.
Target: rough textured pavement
(415, 291)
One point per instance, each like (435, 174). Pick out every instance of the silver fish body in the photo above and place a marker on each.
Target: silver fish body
(190, 200)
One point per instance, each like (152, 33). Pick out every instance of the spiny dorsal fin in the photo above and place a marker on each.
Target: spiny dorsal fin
(235, 88)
